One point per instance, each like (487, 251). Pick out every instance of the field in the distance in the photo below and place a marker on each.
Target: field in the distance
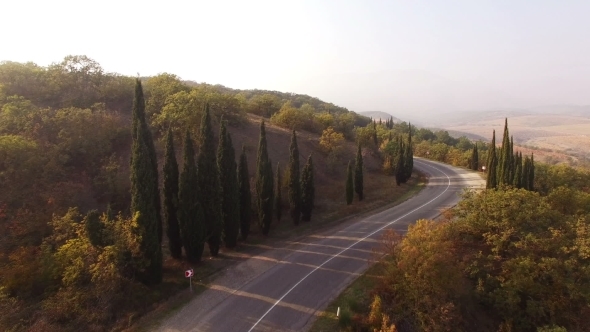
(552, 136)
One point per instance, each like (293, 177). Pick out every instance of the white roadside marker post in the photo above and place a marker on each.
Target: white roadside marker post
(338, 312)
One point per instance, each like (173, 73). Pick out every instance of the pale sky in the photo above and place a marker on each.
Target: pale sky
(404, 57)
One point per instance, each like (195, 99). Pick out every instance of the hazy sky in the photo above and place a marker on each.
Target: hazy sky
(405, 57)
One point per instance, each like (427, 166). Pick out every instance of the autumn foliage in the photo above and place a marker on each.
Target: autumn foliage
(502, 260)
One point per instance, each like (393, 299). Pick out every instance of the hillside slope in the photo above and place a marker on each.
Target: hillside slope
(380, 115)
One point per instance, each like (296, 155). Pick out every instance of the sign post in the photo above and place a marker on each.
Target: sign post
(189, 274)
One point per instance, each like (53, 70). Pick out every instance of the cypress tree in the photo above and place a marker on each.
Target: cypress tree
(505, 158)
(94, 228)
(518, 171)
(491, 182)
(358, 173)
(408, 157)
(226, 163)
(474, 158)
(143, 209)
(264, 184)
(245, 195)
(138, 121)
(399, 164)
(307, 190)
(190, 211)
(526, 169)
(294, 181)
(349, 184)
(209, 184)
(531, 175)
(512, 164)
(278, 196)
(170, 172)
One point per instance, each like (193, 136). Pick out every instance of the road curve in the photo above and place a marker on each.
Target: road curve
(285, 288)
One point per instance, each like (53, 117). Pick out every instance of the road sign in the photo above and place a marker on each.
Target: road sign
(189, 274)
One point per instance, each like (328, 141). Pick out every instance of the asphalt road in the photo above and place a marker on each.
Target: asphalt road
(285, 288)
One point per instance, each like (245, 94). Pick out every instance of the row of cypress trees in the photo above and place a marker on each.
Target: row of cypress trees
(202, 206)
(388, 123)
(400, 158)
(301, 188)
(400, 161)
(507, 168)
(199, 205)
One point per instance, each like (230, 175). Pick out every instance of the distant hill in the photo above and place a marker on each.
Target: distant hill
(380, 115)
(459, 118)
(572, 110)
(457, 134)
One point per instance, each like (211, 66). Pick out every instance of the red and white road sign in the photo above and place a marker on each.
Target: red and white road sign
(188, 273)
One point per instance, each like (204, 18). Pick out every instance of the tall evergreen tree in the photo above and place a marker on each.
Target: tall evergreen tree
(517, 182)
(349, 184)
(358, 173)
(294, 181)
(190, 212)
(143, 208)
(504, 163)
(94, 228)
(532, 174)
(474, 158)
(278, 195)
(245, 195)
(170, 172)
(526, 170)
(408, 157)
(512, 162)
(491, 182)
(307, 190)
(137, 121)
(264, 184)
(209, 184)
(400, 172)
(226, 163)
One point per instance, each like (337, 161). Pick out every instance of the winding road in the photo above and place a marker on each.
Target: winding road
(283, 289)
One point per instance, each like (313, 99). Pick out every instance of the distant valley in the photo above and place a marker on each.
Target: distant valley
(553, 130)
